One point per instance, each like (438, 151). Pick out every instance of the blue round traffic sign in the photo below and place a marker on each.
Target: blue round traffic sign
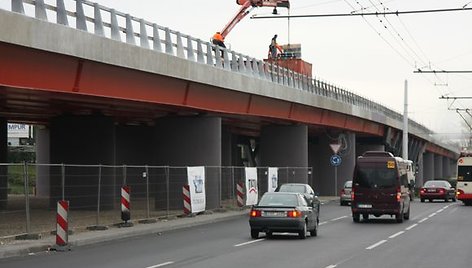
(335, 160)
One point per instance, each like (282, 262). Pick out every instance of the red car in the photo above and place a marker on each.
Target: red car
(437, 190)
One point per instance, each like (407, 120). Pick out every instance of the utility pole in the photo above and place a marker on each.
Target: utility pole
(405, 124)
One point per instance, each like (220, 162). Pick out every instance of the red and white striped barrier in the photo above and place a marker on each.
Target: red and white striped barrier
(187, 201)
(125, 204)
(62, 225)
(240, 194)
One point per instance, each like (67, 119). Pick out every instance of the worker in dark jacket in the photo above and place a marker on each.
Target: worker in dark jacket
(273, 47)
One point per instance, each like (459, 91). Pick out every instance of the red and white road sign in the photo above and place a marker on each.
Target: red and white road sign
(62, 224)
(240, 194)
(125, 203)
(335, 147)
(187, 202)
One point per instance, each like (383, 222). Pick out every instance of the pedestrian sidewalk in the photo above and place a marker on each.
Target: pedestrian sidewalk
(82, 238)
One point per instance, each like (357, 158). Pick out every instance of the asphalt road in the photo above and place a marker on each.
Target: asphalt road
(437, 235)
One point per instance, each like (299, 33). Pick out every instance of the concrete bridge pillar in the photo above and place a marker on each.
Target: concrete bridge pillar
(188, 141)
(438, 167)
(362, 148)
(42, 157)
(133, 146)
(87, 140)
(419, 176)
(428, 167)
(285, 146)
(3, 159)
(323, 171)
(453, 167)
(446, 167)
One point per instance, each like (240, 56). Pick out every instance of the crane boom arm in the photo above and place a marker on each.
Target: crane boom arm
(243, 11)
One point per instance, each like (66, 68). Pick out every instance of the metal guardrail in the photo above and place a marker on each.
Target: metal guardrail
(120, 27)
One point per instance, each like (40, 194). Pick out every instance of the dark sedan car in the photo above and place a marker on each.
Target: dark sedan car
(437, 189)
(284, 212)
(301, 188)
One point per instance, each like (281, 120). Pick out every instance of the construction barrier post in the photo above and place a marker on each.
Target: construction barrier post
(240, 194)
(125, 207)
(62, 226)
(187, 201)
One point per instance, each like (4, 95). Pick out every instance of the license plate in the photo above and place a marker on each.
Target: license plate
(431, 190)
(274, 214)
(364, 206)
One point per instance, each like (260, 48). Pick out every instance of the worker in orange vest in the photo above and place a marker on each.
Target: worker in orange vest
(218, 40)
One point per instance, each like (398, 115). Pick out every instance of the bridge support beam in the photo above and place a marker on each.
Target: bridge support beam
(428, 167)
(285, 146)
(323, 171)
(82, 140)
(42, 157)
(419, 172)
(3, 159)
(188, 141)
(438, 167)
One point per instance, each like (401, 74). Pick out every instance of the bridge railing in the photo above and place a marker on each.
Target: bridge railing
(109, 23)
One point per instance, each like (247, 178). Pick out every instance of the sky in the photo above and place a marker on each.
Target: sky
(370, 56)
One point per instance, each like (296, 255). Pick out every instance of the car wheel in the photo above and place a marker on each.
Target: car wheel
(430, 200)
(454, 199)
(341, 203)
(254, 234)
(406, 216)
(269, 234)
(365, 216)
(422, 200)
(302, 232)
(314, 232)
(399, 217)
(446, 200)
(356, 217)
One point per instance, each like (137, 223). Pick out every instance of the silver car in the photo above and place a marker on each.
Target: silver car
(345, 196)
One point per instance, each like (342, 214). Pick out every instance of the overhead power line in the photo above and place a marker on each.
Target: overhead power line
(441, 71)
(362, 14)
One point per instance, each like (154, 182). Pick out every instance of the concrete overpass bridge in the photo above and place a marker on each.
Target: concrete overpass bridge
(110, 88)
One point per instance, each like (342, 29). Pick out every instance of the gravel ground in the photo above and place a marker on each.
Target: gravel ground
(43, 219)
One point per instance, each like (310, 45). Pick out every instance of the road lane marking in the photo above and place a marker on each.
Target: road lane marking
(331, 266)
(432, 214)
(321, 223)
(411, 227)
(422, 220)
(249, 242)
(160, 265)
(337, 219)
(397, 234)
(439, 211)
(376, 244)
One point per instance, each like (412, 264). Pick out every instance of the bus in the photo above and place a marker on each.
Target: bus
(464, 179)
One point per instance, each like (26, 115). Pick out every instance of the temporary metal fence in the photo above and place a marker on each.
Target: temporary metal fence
(107, 22)
(93, 192)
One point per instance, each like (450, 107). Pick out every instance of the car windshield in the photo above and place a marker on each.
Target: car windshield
(279, 200)
(348, 184)
(291, 188)
(435, 184)
(375, 175)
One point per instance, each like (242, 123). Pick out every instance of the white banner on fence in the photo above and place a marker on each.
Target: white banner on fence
(251, 186)
(273, 179)
(196, 182)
